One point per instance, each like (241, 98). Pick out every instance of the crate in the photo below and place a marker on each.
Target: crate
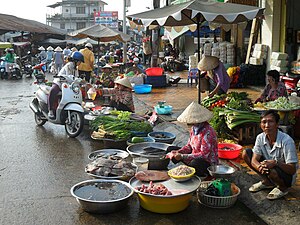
(156, 81)
(246, 133)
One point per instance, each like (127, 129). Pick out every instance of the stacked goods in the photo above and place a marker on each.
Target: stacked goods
(207, 49)
(215, 51)
(230, 54)
(259, 53)
(223, 52)
(193, 61)
(279, 61)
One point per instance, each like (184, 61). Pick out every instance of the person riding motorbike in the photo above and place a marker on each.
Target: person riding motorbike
(69, 69)
(10, 58)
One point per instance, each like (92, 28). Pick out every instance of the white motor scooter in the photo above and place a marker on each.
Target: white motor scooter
(69, 111)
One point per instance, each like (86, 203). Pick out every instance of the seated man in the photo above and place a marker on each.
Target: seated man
(273, 157)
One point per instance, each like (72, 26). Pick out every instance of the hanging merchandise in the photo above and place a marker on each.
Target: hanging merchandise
(147, 45)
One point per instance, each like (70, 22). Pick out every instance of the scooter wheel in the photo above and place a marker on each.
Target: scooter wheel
(38, 120)
(74, 126)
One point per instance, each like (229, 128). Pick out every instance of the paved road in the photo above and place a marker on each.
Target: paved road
(39, 165)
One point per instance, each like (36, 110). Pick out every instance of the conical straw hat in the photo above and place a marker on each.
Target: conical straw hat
(124, 81)
(58, 49)
(50, 48)
(195, 113)
(208, 63)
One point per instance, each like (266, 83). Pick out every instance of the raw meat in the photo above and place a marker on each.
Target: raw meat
(152, 175)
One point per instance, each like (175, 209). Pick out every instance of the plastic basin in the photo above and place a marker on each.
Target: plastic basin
(142, 88)
(167, 109)
(154, 71)
(229, 150)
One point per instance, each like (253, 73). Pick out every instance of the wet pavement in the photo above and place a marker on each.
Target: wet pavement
(39, 165)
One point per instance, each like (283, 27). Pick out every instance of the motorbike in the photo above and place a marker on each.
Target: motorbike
(3, 73)
(38, 72)
(69, 111)
(15, 71)
(27, 66)
(290, 81)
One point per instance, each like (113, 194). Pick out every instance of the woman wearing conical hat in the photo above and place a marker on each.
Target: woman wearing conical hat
(201, 151)
(216, 74)
(121, 95)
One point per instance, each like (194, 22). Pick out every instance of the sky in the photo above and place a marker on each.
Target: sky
(37, 9)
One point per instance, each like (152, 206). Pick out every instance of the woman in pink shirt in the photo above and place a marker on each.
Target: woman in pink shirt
(201, 151)
(274, 89)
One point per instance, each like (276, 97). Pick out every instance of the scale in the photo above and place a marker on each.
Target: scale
(221, 184)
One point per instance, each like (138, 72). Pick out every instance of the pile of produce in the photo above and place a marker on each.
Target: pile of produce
(238, 101)
(282, 103)
(236, 118)
(219, 124)
(215, 101)
(117, 129)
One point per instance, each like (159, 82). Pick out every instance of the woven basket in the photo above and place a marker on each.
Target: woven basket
(216, 201)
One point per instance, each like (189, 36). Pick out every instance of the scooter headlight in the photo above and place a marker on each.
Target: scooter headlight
(76, 88)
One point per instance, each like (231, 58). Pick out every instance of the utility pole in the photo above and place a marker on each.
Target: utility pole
(155, 39)
(125, 32)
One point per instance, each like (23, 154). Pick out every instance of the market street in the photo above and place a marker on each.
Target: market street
(39, 165)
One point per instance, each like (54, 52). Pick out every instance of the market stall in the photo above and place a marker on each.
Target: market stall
(193, 14)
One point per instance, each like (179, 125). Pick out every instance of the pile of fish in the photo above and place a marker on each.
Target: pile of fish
(111, 167)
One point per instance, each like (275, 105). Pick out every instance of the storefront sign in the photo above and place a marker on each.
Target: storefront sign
(107, 18)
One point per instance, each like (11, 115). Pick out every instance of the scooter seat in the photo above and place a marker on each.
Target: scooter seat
(46, 89)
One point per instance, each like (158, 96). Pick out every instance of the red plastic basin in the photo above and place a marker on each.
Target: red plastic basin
(228, 150)
(154, 71)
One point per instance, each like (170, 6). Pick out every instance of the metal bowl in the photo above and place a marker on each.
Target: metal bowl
(108, 152)
(124, 177)
(182, 193)
(220, 171)
(161, 136)
(102, 196)
(157, 160)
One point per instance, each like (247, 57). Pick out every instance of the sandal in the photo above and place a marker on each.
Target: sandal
(260, 186)
(276, 193)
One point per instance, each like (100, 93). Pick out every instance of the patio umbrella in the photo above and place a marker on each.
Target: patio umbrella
(100, 33)
(196, 12)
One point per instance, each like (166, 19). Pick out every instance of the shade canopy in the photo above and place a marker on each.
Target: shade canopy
(100, 33)
(13, 23)
(192, 12)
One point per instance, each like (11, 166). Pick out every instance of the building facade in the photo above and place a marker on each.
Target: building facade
(72, 15)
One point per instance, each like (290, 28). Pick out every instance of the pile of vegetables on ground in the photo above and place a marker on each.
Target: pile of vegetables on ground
(235, 110)
(118, 126)
(230, 111)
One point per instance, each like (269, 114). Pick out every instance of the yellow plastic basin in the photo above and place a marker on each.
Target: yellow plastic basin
(168, 204)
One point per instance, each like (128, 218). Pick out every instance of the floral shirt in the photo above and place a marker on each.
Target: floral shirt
(270, 94)
(203, 144)
(107, 79)
(121, 96)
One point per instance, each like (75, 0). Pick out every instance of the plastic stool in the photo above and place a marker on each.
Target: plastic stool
(193, 74)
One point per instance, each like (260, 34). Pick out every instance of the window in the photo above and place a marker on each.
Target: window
(80, 25)
(62, 26)
(80, 10)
